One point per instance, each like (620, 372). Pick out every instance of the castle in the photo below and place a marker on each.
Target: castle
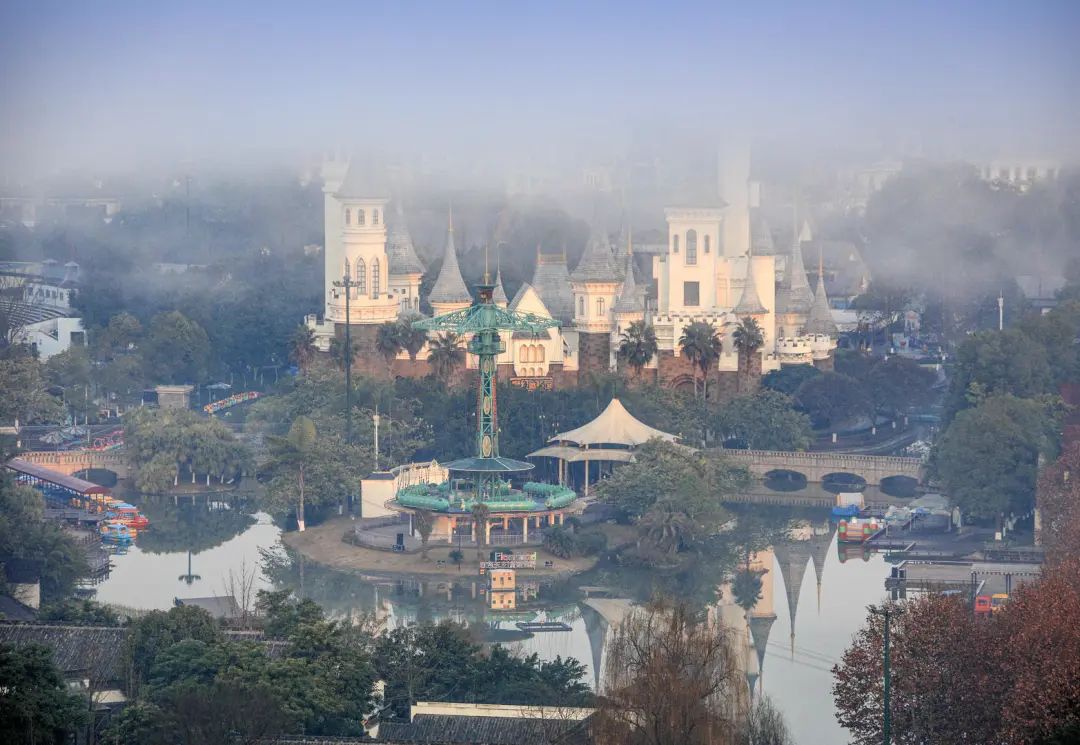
(719, 265)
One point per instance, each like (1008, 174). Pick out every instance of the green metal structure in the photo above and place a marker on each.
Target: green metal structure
(484, 321)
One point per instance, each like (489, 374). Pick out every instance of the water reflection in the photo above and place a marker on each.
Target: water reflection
(753, 579)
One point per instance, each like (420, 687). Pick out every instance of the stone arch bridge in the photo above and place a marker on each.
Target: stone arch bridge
(71, 462)
(815, 466)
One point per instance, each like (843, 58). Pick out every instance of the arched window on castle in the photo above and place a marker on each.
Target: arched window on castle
(600, 306)
(348, 216)
(523, 353)
(691, 247)
(374, 217)
(361, 277)
(675, 244)
(706, 244)
(359, 217)
(539, 353)
(375, 278)
(581, 306)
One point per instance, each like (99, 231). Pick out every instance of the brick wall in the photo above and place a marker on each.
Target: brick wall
(594, 353)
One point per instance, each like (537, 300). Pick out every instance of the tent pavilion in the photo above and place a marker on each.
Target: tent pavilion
(612, 438)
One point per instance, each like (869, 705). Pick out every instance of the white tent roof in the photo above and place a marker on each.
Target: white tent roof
(615, 426)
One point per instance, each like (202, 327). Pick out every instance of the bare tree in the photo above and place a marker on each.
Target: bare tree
(670, 679)
(240, 585)
(764, 725)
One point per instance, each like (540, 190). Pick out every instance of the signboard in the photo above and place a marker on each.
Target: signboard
(510, 561)
(534, 384)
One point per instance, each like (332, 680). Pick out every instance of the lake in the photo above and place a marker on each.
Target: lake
(793, 669)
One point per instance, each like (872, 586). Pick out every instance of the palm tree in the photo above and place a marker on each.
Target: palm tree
(637, 345)
(445, 354)
(746, 588)
(700, 342)
(302, 346)
(337, 350)
(667, 529)
(480, 514)
(412, 339)
(748, 338)
(388, 342)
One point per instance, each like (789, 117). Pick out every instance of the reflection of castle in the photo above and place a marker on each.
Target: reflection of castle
(718, 265)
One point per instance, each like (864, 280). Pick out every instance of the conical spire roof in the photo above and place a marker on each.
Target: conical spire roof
(450, 287)
(399, 246)
(800, 298)
(820, 320)
(362, 181)
(498, 296)
(750, 303)
(630, 298)
(819, 552)
(598, 263)
(793, 559)
(760, 626)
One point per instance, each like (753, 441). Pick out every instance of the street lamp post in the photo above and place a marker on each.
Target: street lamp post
(886, 728)
(347, 284)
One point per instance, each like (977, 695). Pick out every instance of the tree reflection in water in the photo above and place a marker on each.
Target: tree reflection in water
(191, 527)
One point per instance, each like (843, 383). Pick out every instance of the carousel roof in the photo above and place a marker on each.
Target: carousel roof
(489, 465)
(614, 426)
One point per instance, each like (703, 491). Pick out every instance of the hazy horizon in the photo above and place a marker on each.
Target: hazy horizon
(128, 86)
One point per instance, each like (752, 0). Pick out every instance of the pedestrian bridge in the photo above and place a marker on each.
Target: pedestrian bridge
(817, 467)
(72, 462)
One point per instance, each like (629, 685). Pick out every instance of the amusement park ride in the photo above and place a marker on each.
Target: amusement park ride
(484, 477)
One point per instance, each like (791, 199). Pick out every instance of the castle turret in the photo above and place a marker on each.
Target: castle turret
(820, 320)
(361, 202)
(406, 269)
(449, 293)
(595, 283)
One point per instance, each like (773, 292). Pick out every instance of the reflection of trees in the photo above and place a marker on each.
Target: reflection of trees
(190, 527)
(746, 588)
(336, 592)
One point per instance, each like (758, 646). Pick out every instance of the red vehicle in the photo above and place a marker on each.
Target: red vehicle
(983, 605)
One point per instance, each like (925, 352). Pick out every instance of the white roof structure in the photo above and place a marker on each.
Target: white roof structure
(614, 426)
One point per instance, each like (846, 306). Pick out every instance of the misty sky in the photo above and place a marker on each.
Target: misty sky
(119, 84)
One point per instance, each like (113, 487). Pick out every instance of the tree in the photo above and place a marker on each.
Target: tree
(36, 705)
(156, 631)
(423, 525)
(939, 658)
(118, 338)
(748, 338)
(637, 345)
(987, 457)
(788, 378)
(897, 384)
(445, 355)
(766, 420)
(480, 512)
(831, 399)
(176, 349)
(302, 346)
(1058, 501)
(700, 342)
(997, 362)
(24, 392)
(764, 725)
(412, 339)
(388, 342)
(337, 350)
(291, 454)
(457, 556)
(665, 648)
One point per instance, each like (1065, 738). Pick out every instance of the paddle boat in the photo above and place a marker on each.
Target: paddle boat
(857, 530)
(128, 514)
(115, 532)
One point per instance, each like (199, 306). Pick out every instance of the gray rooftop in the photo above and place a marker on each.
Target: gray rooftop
(750, 302)
(551, 280)
(449, 286)
(631, 297)
(498, 296)
(363, 181)
(399, 245)
(598, 262)
(820, 320)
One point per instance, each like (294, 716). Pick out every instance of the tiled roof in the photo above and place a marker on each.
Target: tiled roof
(498, 296)
(449, 286)
(399, 245)
(598, 263)
(444, 729)
(551, 280)
(799, 299)
(820, 320)
(631, 298)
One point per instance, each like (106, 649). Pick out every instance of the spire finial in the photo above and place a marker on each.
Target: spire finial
(487, 274)
(630, 240)
(821, 263)
(451, 217)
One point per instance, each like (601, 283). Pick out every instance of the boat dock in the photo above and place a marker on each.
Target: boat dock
(977, 577)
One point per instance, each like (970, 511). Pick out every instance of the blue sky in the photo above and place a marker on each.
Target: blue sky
(124, 82)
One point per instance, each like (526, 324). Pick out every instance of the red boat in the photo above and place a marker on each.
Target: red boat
(857, 530)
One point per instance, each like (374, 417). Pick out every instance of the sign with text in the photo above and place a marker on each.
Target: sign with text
(510, 561)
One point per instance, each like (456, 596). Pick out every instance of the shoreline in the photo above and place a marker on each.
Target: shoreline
(323, 544)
